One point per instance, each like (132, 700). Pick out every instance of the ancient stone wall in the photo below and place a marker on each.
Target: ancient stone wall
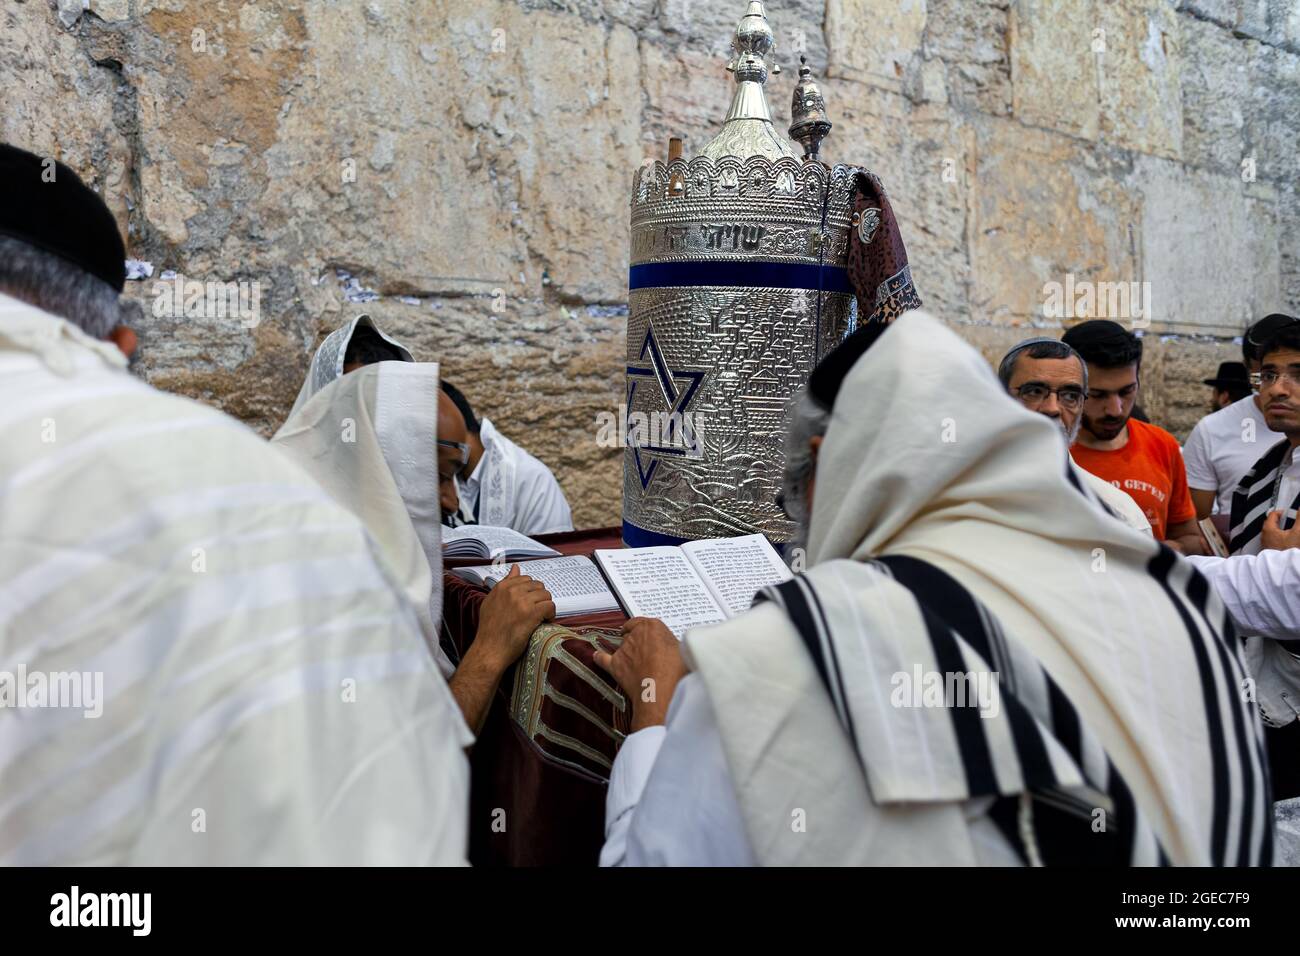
(460, 170)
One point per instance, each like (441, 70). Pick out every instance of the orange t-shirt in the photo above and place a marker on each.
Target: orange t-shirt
(1149, 469)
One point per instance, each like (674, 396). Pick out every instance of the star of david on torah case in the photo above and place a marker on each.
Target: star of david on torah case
(738, 285)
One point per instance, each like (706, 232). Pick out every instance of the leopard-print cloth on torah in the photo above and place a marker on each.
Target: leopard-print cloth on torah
(878, 268)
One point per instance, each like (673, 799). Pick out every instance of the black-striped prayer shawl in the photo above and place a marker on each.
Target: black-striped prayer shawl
(1047, 822)
(1253, 497)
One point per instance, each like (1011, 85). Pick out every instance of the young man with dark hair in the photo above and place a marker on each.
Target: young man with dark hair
(503, 485)
(1264, 507)
(1140, 459)
(1266, 499)
(1224, 445)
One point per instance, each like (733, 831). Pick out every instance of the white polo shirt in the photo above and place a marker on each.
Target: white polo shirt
(1224, 446)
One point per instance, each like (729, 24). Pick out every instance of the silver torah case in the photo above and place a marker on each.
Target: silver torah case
(738, 286)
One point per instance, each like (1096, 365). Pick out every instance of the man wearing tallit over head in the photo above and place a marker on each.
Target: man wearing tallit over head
(386, 443)
(979, 667)
(203, 658)
(356, 343)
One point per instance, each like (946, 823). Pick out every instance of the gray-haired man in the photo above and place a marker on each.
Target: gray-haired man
(1049, 377)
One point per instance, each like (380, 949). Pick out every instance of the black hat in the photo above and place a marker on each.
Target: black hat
(1230, 373)
(826, 379)
(45, 205)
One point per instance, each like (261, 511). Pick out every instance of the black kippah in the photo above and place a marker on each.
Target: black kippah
(826, 379)
(50, 208)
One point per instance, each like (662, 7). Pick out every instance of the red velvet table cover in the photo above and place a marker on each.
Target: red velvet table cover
(533, 802)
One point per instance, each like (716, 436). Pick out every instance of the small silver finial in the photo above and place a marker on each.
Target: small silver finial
(808, 122)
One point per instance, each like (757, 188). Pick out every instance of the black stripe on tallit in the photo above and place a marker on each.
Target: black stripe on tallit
(1063, 829)
(1125, 811)
(1065, 723)
(1255, 489)
(1073, 479)
(1004, 813)
(976, 756)
(1254, 800)
(956, 608)
(1059, 833)
(1088, 494)
(1159, 568)
(837, 672)
(1246, 535)
(793, 598)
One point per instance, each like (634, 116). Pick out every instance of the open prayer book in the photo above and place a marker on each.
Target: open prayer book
(487, 542)
(700, 582)
(574, 582)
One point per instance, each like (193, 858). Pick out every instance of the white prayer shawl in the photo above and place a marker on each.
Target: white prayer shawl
(266, 694)
(512, 489)
(926, 457)
(327, 362)
(370, 440)
(1262, 490)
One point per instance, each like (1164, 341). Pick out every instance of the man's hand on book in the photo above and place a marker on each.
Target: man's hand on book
(647, 667)
(512, 610)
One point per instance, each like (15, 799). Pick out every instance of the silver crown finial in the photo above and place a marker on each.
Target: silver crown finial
(748, 130)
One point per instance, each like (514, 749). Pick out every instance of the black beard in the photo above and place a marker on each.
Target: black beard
(1104, 423)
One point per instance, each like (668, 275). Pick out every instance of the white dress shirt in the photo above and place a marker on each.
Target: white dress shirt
(509, 488)
(1261, 591)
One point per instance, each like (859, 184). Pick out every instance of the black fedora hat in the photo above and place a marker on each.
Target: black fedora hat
(1230, 373)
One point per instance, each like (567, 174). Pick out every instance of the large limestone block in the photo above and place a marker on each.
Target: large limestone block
(1139, 76)
(971, 39)
(686, 93)
(1043, 207)
(1216, 96)
(1284, 22)
(875, 41)
(1272, 113)
(1208, 248)
(1054, 65)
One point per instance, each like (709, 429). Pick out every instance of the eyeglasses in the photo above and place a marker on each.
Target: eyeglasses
(1035, 393)
(1268, 378)
(461, 447)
